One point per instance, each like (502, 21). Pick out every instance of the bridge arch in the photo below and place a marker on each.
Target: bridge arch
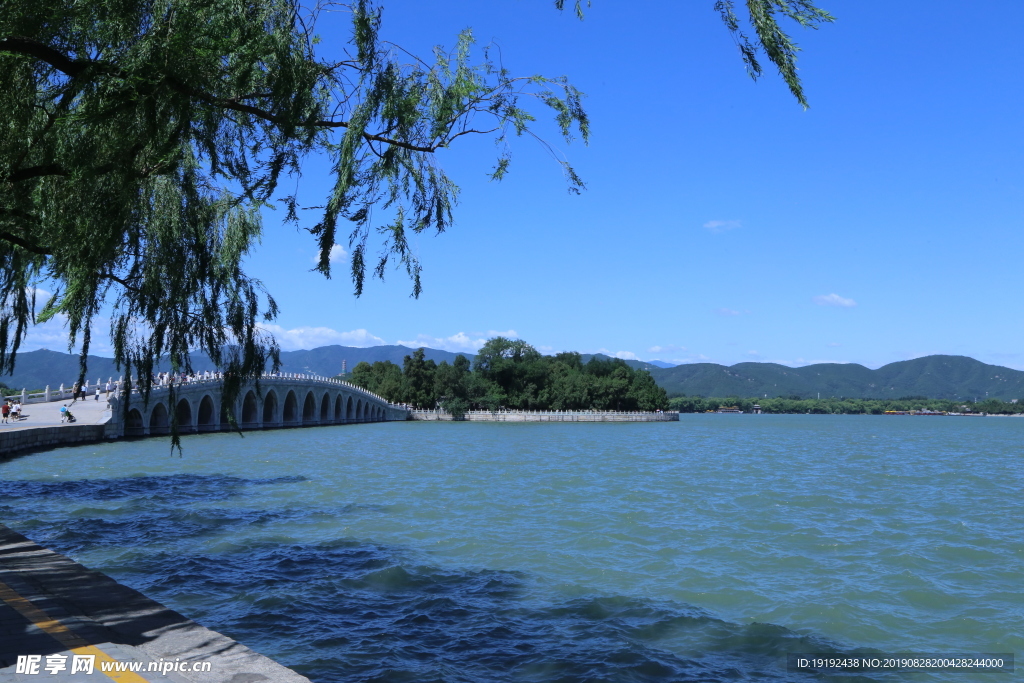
(183, 411)
(159, 421)
(291, 408)
(250, 410)
(270, 408)
(134, 426)
(284, 402)
(207, 412)
(309, 408)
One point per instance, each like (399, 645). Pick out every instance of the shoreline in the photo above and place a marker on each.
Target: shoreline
(52, 605)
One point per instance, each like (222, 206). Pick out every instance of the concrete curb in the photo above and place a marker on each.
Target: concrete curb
(117, 619)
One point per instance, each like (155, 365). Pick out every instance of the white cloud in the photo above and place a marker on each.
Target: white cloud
(624, 355)
(726, 311)
(834, 300)
(717, 227)
(337, 255)
(490, 334)
(313, 337)
(834, 344)
(668, 348)
(459, 342)
(42, 296)
(53, 335)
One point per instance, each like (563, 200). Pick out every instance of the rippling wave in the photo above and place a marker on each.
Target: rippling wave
(347, 610)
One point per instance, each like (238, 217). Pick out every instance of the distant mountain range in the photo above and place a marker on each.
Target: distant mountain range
(36, 369)
(948, 377)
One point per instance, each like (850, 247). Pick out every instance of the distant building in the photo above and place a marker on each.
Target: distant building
(730, 409)
(755, 409)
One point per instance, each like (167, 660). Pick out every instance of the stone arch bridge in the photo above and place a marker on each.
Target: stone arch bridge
(288, 400)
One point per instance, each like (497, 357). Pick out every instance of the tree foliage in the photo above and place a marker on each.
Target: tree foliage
(777, 45)
(142, 140)
(509, 373)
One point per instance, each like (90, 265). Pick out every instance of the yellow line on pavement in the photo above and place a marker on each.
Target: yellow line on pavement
(63, 635)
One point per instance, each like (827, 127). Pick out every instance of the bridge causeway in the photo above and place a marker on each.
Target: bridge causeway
(284, 400)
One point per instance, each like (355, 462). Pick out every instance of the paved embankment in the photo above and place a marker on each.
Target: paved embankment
(546, 416)
(50, 605)
(40, 426)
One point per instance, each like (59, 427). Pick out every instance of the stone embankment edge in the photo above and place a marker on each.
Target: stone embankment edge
(37, 438)
(126, 617)
(543, 416)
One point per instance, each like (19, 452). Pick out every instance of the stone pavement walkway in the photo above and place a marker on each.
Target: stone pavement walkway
(56, 614)
(87, 412)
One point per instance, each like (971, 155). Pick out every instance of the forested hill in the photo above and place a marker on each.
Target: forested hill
(946, 377)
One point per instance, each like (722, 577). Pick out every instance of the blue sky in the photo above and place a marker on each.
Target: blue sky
(721, 222)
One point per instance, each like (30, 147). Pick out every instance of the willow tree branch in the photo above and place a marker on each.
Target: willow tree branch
(24, 244)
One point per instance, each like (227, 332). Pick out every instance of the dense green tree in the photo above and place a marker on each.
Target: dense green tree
(567, 386)
(453, 384)
(418, 380)
(383, 378)
(645, 394)
(511, 374)
(515, 368)
(141, 140)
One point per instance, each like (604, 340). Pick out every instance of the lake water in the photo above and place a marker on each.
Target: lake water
(704, 550)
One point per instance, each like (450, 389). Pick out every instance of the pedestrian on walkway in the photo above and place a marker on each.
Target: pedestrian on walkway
(108, 387)
(97, 392)
(74, 393)
(6, 410)
(16, 412)
(63, 413)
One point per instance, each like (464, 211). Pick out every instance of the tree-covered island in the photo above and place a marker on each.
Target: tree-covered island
(509, 373)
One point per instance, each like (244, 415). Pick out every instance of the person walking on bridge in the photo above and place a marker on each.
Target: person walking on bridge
(5, 410)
